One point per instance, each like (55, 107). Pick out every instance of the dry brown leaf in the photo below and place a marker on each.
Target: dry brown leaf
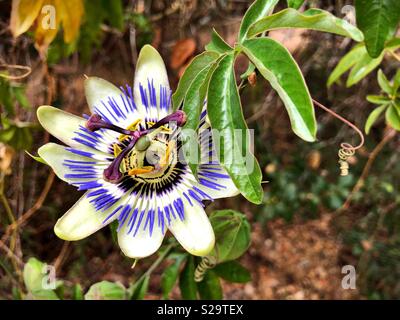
(67, 14)
(181, 52)
(23, 14)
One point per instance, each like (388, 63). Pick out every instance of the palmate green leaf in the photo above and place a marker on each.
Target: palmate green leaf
(225, 114)
(277, 65)
(218, 44)
(106, 290)
(195, 66)
(374, 115)
(258, 10)
(396, 82)
(295, 4)
(378, 99)
(210, 287)
(187, 284)
(393, 117)
(378, 20)
(232, 234)
(314, 19)
(232, 271)
(362, 68)
(192, 105)
(170, 275)
(384, 83)
(348, 61)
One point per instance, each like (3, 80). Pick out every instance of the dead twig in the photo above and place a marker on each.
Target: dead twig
(29, 213)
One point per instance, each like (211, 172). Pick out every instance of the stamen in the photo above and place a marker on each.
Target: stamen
(95, 122)
(178, 116)
(112, 173)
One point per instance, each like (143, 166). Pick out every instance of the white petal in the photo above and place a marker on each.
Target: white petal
(142, 244)
(55, 155)
(150, 67)
(215, 181)
(60, 124)
(81, 221)
(194, 233)
(98, 90)
(137, 241)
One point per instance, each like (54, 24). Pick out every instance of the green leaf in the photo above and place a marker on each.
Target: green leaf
(258, 10)
(393, 117)
(195, 66)
(114, 232)
(249, 71)
(295, 4)
(233, 271)
(225, 114)
(192, 105)
(378, 99)
(34, 275)
(187, 284)
(378, 20)
(114, 11)
(277, 65)
(218, 44)
(348, 61)
(232, 234)
(20, 96)
(373, 116)
(384, 83)
(106, 290)
(210, 288)
(139, 288)
(77, 292)
(170, 275)
(396, 82)
(42, 295)
(363, 67)
(37, 158)
(314, 19)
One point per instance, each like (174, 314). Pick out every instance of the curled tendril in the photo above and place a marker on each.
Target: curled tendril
(27, 72)
(346, 149)
(206, 263)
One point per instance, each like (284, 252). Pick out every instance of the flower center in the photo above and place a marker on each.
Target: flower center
(145, 154)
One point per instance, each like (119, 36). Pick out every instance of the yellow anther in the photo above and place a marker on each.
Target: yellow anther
(134, 124)
(132, 127)
(117, 150)
(165, 130)
(165, 160)
(136, 171)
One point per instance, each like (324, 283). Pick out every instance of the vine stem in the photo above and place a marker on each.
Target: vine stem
(10, 214)
(391, 133)
(32, 210)
(350, 124)
(395, 55)
(156, 263)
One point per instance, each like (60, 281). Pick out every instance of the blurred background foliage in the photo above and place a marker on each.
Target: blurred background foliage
(312, 220)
